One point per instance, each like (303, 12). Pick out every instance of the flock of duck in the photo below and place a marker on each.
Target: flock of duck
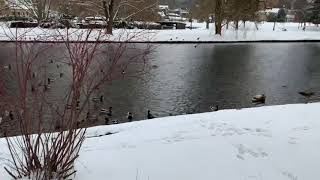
(108, 114)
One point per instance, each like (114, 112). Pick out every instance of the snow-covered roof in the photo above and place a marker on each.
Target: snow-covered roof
(163, 6)
(174, 15)
(19, 4)
(273, 10)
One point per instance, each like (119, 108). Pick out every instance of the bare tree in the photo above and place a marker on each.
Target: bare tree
(118, 10)
(109, 14)
(218, 16)
(227, 10)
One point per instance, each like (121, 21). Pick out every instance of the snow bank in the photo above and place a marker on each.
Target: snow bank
(276, 142)
(283, 32)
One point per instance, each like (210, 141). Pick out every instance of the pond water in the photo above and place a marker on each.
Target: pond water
(190, 78)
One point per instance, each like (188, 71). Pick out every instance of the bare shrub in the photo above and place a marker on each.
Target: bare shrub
(50, 105)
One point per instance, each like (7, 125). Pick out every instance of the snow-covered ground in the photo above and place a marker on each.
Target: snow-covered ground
(283, 32)
(267, 143)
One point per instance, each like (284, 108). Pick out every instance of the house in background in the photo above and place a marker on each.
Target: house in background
(13, 8)
(181, 12)
(268, 4)
(272, 4)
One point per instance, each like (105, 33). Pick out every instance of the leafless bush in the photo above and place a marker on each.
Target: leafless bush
(49, 151)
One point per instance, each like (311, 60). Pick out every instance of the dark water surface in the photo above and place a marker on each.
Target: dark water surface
(190, 79)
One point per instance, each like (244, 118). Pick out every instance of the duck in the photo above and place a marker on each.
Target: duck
(215, 108)
(34, 75)
(130, 117)
(6, 113)
(103, 111)
(78, 105)
(260, 98)
(11, 115)
(101, 98)
(7, 67)
(150, 116)
(306, 93)
(32, 88)
(95, 99)
(110, 112)
(106, 120)
(46, 87)
(69, 106)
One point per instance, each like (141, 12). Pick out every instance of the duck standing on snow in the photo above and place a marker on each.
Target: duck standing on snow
(130, 117)
(150, 116)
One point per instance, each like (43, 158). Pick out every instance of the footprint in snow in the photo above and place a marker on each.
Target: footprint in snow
(293, 140)
(243, 151)
(289, 175)
(302, 128)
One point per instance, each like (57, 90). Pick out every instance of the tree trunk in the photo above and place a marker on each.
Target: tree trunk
(218, 13)
(256, 26)
(108, 11)
(274, 26)
(237, 24)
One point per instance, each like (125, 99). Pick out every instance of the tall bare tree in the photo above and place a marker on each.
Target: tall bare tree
(122, 10)
(226, 10)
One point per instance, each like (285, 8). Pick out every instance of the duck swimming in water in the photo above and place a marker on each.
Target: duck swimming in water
(11, 115)
(101, 98)
(306, 94)
(110, 112)
(106, 120)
